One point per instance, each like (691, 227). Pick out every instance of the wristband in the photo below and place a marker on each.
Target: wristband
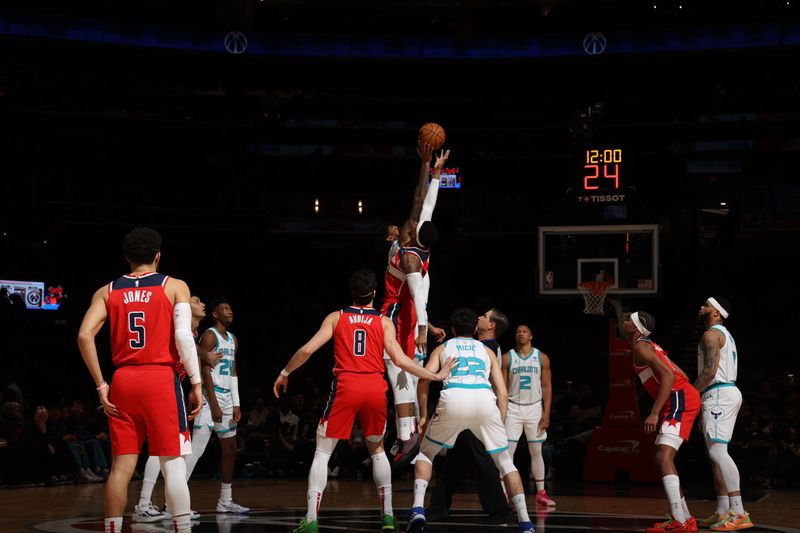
(103, 385)
(284, 373)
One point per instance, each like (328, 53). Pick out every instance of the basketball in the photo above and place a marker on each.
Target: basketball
(433, 134)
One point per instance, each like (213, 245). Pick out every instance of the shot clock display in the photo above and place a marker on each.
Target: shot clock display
(602, 169)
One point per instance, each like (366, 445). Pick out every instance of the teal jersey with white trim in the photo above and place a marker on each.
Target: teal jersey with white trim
(222, 372)
(728, 360)
(525, 377)
(473, 367)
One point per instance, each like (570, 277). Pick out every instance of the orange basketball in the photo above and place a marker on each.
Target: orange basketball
(433, 134)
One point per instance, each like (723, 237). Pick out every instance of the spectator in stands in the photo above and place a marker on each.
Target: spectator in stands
(77, 425)
(43, 456)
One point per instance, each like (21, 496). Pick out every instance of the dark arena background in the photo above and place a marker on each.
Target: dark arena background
(271, 142)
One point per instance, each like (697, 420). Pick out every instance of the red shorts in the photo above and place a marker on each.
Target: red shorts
(150, 402)
(679, 412)
(362, 395)
(404, 317)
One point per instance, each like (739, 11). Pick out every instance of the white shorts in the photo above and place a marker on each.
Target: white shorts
(224, 429)
(720, 408)
(404, 385)
(524, 417)
(460, 409)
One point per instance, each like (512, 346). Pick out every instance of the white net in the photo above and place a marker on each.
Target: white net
(594, 294)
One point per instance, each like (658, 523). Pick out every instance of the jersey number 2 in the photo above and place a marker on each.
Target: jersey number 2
(136, 327)
(524, 383)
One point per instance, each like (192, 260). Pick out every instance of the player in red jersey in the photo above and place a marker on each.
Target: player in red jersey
(360, 335)
(150, 322)
(405, 298)
(676, 404)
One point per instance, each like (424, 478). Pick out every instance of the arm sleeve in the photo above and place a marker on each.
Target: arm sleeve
(419, 292)
(235, 390)
(184, 340)
(429, 203)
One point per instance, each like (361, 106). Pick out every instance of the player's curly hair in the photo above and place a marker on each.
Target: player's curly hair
(141, 245)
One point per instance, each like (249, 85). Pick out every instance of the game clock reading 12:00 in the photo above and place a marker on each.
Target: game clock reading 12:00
(601, 169)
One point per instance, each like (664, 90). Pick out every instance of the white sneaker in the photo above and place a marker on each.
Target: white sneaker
(193, 515)
(147, 513)
(231, 507)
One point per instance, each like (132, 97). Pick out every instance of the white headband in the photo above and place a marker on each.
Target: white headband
(643, 330)
(716, 305)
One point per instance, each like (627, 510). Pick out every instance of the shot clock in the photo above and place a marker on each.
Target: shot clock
(601, 170)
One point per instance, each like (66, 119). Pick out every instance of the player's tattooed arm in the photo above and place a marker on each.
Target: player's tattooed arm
(710, 347)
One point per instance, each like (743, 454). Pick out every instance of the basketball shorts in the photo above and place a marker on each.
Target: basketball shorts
(151, 404)
(524, 418)
(459, 409)
(404, 385)
(205, 420)
(404, 318)
(355, 395)
(679, 412)
(720, 407)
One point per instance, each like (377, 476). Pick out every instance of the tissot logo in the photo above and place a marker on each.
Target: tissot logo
(622, 415)
(601, 198)
(622, 383)
(628, 447)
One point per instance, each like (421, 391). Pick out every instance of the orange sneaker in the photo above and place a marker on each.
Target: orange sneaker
(690, 524)
(733, 522)
(673, 526)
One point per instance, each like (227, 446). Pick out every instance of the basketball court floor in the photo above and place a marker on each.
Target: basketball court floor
(351, 505)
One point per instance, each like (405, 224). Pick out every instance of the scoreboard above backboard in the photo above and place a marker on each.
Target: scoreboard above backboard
(602, 170)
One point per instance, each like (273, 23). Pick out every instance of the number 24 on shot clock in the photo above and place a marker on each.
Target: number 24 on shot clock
(602, 169)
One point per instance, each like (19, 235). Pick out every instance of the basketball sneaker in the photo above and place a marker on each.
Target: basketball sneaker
(672, 525)
(543, 499)
(307, 527)
(193, 515)
(416, 520)
(147, 513)
(389, 523)
(706, 523)
(733, 522)
(231, 507)
(526, 527)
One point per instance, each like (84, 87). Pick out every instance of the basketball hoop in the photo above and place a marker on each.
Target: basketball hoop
(594, 294)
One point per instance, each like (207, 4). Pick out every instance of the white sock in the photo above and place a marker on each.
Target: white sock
(685, 508)
(736, 505)
(182, 523)
(723, 505)
(317, 480)
(225, 492)
(113, 525)
(420, 486)
(519, 505)
(406, 427)
(382, 475)
(200, 440)
(672, 486)
(151, 470)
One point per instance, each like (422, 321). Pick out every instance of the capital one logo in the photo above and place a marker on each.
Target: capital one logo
(627, 447)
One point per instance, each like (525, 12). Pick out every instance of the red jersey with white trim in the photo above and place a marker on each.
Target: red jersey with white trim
(358, 341)
(650, 379)
(395, 277)
(141, 320)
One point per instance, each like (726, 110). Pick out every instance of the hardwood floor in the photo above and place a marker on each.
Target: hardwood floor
(23, 508)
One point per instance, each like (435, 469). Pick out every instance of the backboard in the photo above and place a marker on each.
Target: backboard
(625, 255)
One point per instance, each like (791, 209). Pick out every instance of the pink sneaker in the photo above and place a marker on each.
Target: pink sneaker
(543, 499)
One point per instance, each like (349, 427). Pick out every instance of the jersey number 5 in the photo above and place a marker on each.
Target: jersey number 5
(136, 328)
